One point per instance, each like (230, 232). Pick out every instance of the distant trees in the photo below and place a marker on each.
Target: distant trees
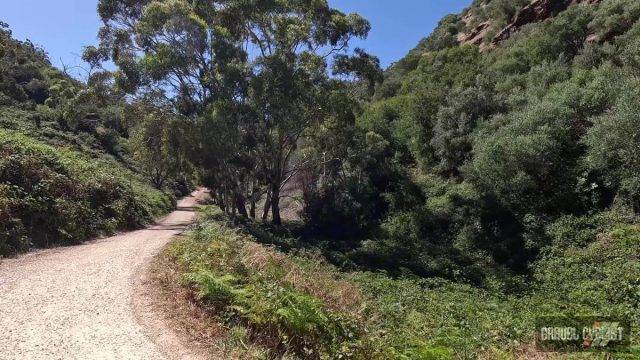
(156, 145)
(21, 78)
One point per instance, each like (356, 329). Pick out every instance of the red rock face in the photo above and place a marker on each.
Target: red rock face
(476, 36)
(588, 2)
(536, 11)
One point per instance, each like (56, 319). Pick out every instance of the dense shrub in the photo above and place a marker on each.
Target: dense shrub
(613, 152)
(21, 79)
(59, 196)
(614, 17)
(358, 189)
(343, 214)
(601, 277)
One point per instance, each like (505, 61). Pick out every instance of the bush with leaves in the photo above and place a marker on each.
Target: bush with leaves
(60, 197)
(613, 152)
(268, 293)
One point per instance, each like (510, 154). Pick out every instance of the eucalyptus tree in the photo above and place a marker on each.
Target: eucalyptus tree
(290, 44)
(258, 67)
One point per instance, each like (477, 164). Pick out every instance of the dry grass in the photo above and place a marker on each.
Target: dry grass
(337, 294)
(529, 351)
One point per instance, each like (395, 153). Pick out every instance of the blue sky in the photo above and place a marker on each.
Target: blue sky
(63, 27)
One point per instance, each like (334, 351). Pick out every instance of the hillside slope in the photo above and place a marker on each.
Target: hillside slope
(65, 173)
(510, 138)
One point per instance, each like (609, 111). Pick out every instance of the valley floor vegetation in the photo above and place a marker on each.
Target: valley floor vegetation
(294, 304)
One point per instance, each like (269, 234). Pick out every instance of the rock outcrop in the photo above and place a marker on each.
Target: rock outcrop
(536, 11)
(476, 36)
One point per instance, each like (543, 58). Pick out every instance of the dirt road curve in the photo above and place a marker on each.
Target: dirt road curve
(79, 302)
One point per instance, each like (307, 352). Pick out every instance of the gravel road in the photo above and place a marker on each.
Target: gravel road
(80, 302)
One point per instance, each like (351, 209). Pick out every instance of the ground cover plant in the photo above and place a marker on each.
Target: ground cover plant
(295, 305)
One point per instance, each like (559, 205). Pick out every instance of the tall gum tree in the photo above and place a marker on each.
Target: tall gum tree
(258, 66)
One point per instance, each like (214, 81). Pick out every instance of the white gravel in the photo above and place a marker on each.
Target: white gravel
(78, 302)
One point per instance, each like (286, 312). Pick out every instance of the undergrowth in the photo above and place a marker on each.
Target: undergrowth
(296, 305)
(61, 196)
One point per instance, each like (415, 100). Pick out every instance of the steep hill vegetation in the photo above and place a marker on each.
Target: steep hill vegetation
(505, 145)
(65, 170)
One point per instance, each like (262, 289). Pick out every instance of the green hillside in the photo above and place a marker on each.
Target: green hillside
(511, 142)
(65, 170)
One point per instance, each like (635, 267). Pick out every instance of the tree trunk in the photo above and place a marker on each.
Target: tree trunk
(220, 200)
(252, 208)
(275, 206)
(240, 205)
(252, 201)
(267, 204)
(217, 199)
(228, 204)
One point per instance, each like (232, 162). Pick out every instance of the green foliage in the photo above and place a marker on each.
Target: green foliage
(601, 277)
(252, 108)
(497, 12)
(158, 144)
(60, 196)
(445, 69)
(352, 200)
(435, 314)
(65, 166)
(22, 78)
(614, 17)
(613, 152)
(580, 232)
(463, 111)
(501, 145)
(291, 299)
(444, 36)
(526, 163)
(249, 285)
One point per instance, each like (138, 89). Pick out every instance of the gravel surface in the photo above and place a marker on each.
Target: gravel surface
(80, 302)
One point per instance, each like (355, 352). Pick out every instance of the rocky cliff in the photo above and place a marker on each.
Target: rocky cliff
(536, 11)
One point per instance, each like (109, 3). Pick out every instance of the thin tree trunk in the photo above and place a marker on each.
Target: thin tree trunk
(275, 206)
(240, 205)
(252, 201)
(267, 204)
(252, 208)
(220, 200)
(228, 203)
